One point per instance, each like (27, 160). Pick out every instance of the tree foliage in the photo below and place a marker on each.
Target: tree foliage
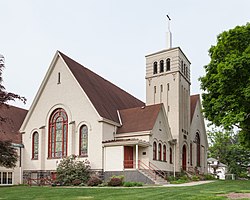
(226, 100)
(8, 155)
(70, 169)
(4, 95)
(225, 146)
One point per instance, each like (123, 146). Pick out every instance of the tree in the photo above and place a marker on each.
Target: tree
(8, 155)
(226, 100)
(225, 146)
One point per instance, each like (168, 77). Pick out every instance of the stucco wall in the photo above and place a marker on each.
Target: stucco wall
(113, 158)
(69, 96)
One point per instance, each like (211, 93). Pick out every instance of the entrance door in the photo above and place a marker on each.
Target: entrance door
(128, 157)
(184, 158)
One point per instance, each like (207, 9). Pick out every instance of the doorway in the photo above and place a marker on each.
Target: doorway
(184, 158)
(128, 157)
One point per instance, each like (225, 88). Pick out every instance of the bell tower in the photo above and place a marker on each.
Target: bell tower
(168, 82)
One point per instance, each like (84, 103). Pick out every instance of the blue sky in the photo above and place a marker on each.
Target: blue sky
(110, 37)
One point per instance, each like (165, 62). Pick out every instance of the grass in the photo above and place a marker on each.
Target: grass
(205, 191)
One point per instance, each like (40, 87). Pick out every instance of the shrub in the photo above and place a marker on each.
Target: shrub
(209, 177)
(184, 177)
(120, 177)
(132, 184)
(170, 178)
(76, 182)
(94, 181)
(115, 182)
(70, 169)
(195, 178)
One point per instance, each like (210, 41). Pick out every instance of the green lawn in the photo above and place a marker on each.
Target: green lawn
(206, 191)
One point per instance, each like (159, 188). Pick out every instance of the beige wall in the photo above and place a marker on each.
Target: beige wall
(113, 158)
(198, 125)
(69, 96)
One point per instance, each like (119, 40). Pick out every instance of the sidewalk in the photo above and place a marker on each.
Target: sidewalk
(188, 184)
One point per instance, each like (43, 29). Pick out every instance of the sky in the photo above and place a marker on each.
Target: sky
(110, 37)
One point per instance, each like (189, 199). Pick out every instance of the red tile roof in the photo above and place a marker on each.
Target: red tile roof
(9, 129)
(105, 96)
(139, 119)
(193, 101)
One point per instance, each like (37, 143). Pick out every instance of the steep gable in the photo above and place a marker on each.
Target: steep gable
(193, 102)
(9, 128)
(139, 119)
(105, 96)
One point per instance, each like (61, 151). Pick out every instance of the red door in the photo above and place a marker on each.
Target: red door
(128, 157)
(184, 158)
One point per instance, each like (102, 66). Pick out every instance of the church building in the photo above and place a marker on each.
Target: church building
(77, 112)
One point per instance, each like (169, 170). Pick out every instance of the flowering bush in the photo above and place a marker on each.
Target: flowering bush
(70, 169)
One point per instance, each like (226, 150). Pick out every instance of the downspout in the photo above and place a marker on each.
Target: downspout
(174, 157)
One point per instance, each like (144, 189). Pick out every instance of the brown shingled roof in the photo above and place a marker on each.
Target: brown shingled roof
(139, 119)
(9, 129)
(193, 101)
(105, 96)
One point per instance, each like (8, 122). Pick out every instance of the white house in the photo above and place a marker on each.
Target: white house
(217, 168)
(76, 111)
(9, 131)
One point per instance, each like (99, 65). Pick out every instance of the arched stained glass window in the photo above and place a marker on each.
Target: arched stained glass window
(164, 153)
(170, 156)
(83, 141)
(159, 151)
(198, 149)
(58, 134)
(35, 145)
(154, 151)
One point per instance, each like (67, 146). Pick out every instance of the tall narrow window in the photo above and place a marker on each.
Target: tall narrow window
(168, 64)
(35, 145)
(170, 156)
(58, 134)
(184, 69)
(164, 153)
(159, 151)
(59, 78)
(191, 154)
(155, 89)
(182, 66)
(155, 67)
(161, 66)
(198, 149)
(83, 141)
(154, 151)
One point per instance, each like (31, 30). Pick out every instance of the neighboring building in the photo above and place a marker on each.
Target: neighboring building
(9, 131)
(217, 168)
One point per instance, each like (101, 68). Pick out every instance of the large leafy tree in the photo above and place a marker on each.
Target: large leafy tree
(226, 85)
(8, 155)
(225, 146)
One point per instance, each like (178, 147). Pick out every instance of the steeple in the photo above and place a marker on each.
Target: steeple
(169, 35)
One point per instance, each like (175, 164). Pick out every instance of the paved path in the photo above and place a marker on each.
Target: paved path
(188, 184)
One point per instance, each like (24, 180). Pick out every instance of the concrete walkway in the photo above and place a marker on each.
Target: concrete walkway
(188, 184)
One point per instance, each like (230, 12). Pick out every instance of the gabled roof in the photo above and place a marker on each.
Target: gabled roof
(139, 119)
(193, 102)
(105, 96)
(9, 129)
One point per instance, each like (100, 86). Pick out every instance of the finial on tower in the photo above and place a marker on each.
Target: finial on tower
(169, 35)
